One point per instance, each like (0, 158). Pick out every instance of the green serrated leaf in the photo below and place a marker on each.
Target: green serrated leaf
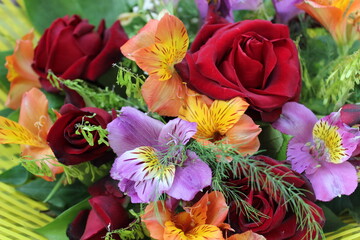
(271, 140)
(16, 176)
(56, 230)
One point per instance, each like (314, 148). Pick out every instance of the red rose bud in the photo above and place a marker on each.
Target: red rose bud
(107, 214)
(71, 49)
(279, 221)
(253, 59)
(71, 147)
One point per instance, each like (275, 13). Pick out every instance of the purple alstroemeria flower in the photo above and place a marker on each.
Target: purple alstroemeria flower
(152, 159)
(286, 10)
(320, 149)
(225, 7)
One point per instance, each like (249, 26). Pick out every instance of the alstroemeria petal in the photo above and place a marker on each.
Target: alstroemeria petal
(204, 232)
(190, 179)
(248, 235)
(177, 131)
(226, 113)
(172, 232)
(332, 180)
(334, 138)
(217, 209)
(34, 113)
(144, 38)
(164, 97)
(12, 132)
(299, 156)
(296, 120)
(196, 110)
(20, 73)
(133, 129)
(155, 217)
(171, 43)
(350, 114)
(244, 136)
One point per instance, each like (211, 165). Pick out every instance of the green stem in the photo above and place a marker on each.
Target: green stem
(55, 189)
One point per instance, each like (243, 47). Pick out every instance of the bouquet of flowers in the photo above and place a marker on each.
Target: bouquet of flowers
(205, 119)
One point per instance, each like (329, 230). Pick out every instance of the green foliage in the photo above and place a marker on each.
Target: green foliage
(132, 83)
(4, 83)
(43, 12)
(93, 96)
(39, 167)
(261, 177)
(16, 176)
(56, 230)
(64, 197)
(87, 131)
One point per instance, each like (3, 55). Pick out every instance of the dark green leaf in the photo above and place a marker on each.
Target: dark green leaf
(4, 83)
(56, 230)
(333, 222)
(16, 176)
(43, 12)
(64, 198)
(271, 140)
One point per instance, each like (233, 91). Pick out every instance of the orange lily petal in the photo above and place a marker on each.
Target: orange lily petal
(20, 73)
(144, 38)
(155, 217)
(171, 43)
(244, 136)
(34, 113)
(12, 132)
(248, 235)
(164, 97)
(217, 209)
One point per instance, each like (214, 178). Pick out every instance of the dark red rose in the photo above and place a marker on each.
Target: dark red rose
(71, 49)
(107, 214)
(350, 114)
(71, 148)
(280, 222)
(253, 59)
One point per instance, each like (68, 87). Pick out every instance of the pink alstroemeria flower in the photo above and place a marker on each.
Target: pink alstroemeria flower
(320, 149)
(152, 159)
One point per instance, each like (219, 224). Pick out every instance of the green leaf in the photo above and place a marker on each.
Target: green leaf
(271, 140)
(16, 176)
(43, 12)
(4, 83)
(56, 230)
(333, 222)
(64, 198)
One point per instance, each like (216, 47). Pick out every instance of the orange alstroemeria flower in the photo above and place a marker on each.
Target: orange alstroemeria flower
(340, 17)
(20, 73)
(31, 131)
(204, 220)
(221, 121)
(158, 46)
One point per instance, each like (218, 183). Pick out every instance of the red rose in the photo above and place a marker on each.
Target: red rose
(71, 49)
(253, 59)
(71, 148)
(107, 214)
(280, 222)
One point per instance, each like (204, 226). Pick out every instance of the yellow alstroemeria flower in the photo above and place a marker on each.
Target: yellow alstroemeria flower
(221, 121)
(340, 17)
(31, 131)
(157, 47)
